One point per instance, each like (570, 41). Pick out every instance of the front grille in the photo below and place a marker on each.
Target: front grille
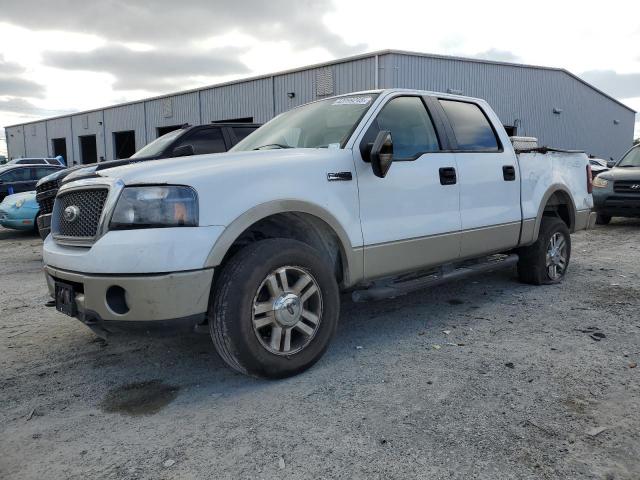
(45, 196)
(89, 203)
(627, 186)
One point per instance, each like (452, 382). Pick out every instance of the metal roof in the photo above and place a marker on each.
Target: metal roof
(329, 63)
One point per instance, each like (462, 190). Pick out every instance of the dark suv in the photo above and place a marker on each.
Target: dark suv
(616, 193)
(187, 140)
(16, 178)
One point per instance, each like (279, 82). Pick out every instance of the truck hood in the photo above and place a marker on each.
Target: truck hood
(191, 170)
(622, 173)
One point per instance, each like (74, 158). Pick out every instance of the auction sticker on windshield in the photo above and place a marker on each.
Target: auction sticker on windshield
(352, 101)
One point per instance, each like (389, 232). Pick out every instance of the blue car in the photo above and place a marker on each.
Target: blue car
(19, 211)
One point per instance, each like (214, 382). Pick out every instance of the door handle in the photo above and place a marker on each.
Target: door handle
(509, 173)
(448, 176)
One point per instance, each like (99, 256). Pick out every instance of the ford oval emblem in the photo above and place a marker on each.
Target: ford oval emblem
(71, 213)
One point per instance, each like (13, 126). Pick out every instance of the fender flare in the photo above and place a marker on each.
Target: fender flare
(353, 263)
(553, 189)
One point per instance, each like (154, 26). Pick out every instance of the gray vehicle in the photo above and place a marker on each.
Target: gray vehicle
(616, 193)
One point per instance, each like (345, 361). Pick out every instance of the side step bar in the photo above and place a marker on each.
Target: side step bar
(398, 287)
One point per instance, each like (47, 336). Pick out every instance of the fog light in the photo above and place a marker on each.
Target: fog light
(116, 300)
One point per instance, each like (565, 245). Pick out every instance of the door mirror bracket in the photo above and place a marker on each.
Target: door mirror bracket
(382, 154)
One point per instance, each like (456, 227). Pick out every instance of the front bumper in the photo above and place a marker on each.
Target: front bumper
(17, 220)
(150, 297)
(613, 204)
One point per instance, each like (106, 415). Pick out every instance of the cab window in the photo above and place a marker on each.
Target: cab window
(471, 127)
(411, 128)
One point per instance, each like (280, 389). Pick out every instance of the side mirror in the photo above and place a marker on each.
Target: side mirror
(382, 154)
(611, 163)
(183, 151)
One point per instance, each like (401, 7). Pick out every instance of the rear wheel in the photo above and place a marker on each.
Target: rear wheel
(275, 309)
(602, 219)
(546, 261)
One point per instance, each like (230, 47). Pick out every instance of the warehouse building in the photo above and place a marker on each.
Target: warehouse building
(552, 104)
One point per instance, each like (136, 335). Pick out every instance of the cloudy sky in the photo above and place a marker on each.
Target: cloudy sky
(70, 55)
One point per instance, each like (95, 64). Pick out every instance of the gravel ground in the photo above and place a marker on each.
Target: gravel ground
(483, 378)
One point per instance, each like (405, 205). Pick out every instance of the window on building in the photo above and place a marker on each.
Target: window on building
(124, 144)
(470, 126)
(164, 130)
(59, 147)
(88, 149)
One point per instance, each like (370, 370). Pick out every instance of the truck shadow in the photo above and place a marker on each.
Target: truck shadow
(188, 365)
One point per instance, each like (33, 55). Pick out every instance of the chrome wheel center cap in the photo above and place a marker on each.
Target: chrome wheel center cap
(288, 309)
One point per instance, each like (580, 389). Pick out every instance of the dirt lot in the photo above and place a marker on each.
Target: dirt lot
(518, 388)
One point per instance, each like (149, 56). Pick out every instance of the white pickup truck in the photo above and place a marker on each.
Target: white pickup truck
(378, 193)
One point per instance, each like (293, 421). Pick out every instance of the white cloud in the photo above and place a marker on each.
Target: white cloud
(580, 38)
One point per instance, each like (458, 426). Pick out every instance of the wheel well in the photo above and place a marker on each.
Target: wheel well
(299, 226)
(559, 205)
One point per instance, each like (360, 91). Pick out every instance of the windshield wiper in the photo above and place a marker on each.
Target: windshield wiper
(628, 166)
(272, 145)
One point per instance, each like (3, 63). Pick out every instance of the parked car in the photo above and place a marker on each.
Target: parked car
(598, 166)
(379, 193)
(616, 193)
(19, 211)
(185, 141)
(22, 178)
(36, 161)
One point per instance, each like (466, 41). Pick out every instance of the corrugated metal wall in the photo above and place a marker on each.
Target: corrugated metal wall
(124, 118)
(35, 139)
(247, 99)
(60, 128)
(15, 142)
(525, 95)
(346, 77)
(530, 95)
(174, 110)
(87, 124)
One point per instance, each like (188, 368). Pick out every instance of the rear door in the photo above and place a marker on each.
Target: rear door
(411, 218)
(490, 211)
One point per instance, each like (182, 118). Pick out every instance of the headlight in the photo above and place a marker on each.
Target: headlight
(155, 207)
(600, 182)
(19, 203)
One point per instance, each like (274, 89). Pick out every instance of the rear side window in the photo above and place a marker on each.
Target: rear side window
(242, 132)
(471, 127)
(40, 172)
(411, 128)
(206, 140)
(16, 175)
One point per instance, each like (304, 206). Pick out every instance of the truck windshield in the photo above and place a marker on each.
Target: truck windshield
(631, 159)
(158, 145)
(319, 124)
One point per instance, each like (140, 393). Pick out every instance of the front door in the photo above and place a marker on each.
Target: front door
(411, 218)
(489, 180)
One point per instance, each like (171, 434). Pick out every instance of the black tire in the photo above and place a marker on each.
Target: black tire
(602, 219)
(231, 309)
(532, 266)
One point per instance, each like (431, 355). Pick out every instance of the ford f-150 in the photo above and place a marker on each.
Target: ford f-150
(377, 192)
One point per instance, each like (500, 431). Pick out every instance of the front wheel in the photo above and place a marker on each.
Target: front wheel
(602, 219)
(546, 261)
(275, 309)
